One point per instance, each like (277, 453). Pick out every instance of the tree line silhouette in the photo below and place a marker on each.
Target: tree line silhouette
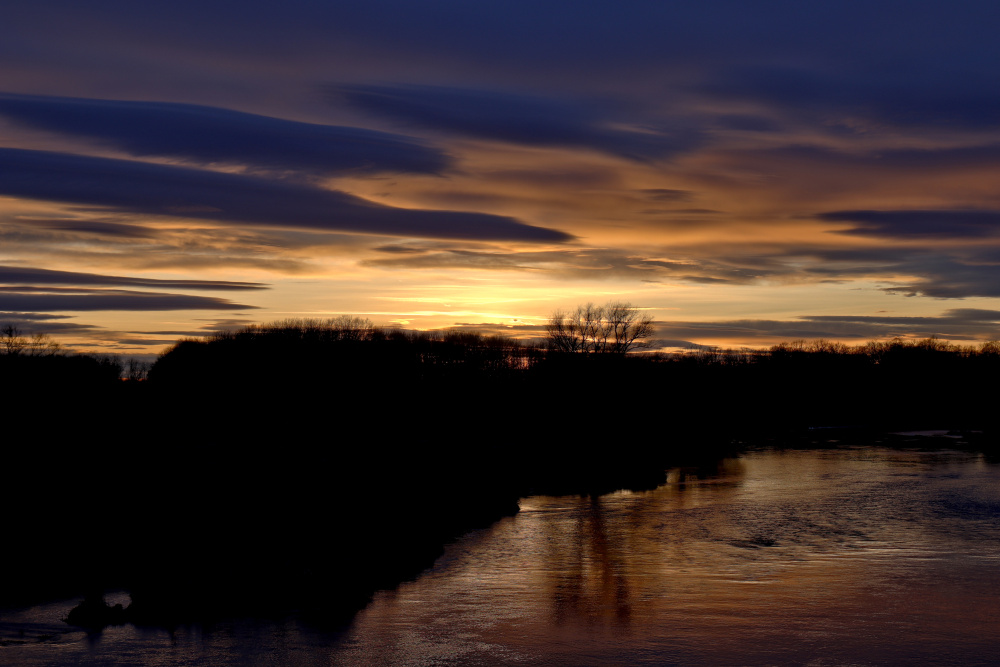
(586, 372)
(303, 464)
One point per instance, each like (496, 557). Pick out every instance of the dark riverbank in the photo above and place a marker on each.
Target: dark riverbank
(254, 475)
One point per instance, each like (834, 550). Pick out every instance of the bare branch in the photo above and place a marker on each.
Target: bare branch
(614, 328)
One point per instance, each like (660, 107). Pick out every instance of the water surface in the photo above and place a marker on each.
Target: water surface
(849, 556)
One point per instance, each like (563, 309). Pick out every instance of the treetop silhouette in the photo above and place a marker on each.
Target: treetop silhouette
(617, 327)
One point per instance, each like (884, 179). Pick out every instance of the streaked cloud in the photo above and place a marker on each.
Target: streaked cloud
(581, 263)
(667, 195)
(101, 228)
(920, 224)
(46, 323)
(208, 135)
(840, 99)
(958, 324)
(31, 300)
(508, 117)
(962, 271)
(14, 275)
(153, 189)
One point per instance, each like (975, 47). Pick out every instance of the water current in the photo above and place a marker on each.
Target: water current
(819, 557)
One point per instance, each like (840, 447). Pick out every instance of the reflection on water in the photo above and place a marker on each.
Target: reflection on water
(820, 557)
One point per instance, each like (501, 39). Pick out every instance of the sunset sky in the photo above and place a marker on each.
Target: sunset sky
(746, 172)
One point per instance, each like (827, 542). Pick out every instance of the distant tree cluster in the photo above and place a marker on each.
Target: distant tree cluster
(347, 344)
(13, 342)
(896, 351)
(336, 329)
(28, 351)
(308, 352)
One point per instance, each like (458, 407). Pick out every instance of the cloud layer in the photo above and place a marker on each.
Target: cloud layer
(206, 135)
(920, 224)
(746, 171)
(957, 323)
(153, 189)
(25, 302)
(14, 275)
(507, 117)
(27, 293)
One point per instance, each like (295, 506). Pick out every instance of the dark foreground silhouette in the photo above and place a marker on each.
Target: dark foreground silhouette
(301, 467)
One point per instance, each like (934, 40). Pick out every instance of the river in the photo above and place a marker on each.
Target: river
(819, 557)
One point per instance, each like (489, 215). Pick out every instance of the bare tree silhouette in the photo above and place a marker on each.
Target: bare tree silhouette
(14, 343)
(614, 328)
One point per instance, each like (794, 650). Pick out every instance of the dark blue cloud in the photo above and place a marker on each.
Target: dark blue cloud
(749, 331)
(913, 44)
(913, 63)
(954, 316)
(588, 264)
(16, 275)
(916, 159)
(747, 123)
(919, 223)
(45, 323)
(208, 135)
(955, 324)
(563, 31)
(113, 300)
(841, 97)
(951, 272)
(950, 278)
(506, 117)
(98, 227)
(153, 189)
(664, 194)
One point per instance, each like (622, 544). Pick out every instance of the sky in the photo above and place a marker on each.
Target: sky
(745, 173)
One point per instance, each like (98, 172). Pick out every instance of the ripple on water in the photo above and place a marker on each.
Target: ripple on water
(863, 556)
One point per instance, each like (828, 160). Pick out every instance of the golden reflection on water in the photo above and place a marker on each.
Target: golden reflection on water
(867, 556)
